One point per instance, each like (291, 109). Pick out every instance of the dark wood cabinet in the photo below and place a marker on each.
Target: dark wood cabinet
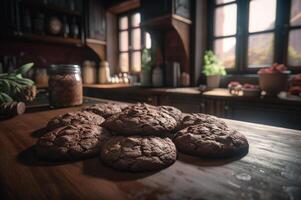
(95, 20)
(275, 114)
(9, 18)
(215, 107)
(30, 20)
(270, 111)
(122, 94)
(185, 104)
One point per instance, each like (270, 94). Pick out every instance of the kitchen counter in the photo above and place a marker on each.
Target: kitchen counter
(217, 93)
(271, 169)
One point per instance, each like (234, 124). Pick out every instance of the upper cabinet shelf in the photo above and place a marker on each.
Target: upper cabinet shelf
(71, 7)
(50, 39)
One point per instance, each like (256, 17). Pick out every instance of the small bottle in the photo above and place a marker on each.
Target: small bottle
(89, 72)
(72, 5)
(104, 75)
(39, 24)
(27, 22)
(157, 77)
(74, 28)
(185, 79)
(66, 29)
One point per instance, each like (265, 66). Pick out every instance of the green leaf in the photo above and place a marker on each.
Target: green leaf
(24, 81)
(213, 65)
(146, 59)
(5, 98)
(24, 68)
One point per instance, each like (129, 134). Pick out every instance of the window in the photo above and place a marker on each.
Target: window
(294, 39)
(129, 37)
(225, 30)
(250, 34)
(261, 33)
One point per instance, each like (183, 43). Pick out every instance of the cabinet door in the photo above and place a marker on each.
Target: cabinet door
(184, 103)
(215, 107)
(9, 17)
(270, 114)
(96, 20)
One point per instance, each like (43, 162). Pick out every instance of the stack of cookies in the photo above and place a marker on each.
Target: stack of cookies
(139, 137)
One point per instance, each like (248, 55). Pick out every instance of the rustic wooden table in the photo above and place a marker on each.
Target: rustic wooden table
(271, 169)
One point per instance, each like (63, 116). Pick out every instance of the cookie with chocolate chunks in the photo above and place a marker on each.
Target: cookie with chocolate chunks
(104, 109)
(72, 142)
(136, 153)
(141, 119)
(78, 117)
(211, 140)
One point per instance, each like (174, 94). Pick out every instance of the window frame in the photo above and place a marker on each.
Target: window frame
(130, 28)
(281, 34)
(212, 38)
(286, 30)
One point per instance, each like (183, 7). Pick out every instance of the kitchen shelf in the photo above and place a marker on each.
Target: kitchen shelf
(51, 39)
(52, 8)
(108, 85)
(95, 41)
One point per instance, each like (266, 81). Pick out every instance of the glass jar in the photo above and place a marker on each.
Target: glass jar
(65, 85)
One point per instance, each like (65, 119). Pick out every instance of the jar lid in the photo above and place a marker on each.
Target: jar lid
(63, 69)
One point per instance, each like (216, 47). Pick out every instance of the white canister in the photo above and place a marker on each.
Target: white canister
(157, 77)
(89, 72)
(104, 75)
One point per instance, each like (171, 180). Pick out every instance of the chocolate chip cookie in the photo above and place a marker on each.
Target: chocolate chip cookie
(136, 153)
(104, 109)
(78, 117)
(211, 140)
(140, 119)
(172, 111)
(199, 118)
(72, 142)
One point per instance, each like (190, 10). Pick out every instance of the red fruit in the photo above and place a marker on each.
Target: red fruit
(275, 68)
(280, 68)
(296, 80)
(234, 84)
(295, 90)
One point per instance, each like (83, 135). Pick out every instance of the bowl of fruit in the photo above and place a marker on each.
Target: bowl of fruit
(251, 90)
(273, 79)
(234, 88)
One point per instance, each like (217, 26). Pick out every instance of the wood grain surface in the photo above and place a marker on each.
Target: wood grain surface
(271, 169)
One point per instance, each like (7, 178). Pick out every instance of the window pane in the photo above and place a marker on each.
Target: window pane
(261, 48)
(225, 20)
(136, 19)
(148, 41)
(262, 15)
(223, 1)
(136, 61)
(123, 23)
(294, 48)
(123, 41)
(124, 62)
(136, 38)
(295, 19)
(225, 51)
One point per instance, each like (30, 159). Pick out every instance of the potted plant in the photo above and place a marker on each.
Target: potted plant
(146, 66)
(273, 79)
(14, 87)
(213, 69)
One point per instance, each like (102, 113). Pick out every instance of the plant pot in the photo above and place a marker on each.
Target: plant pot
(145, 78)
(213, 81)
(273, 83)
